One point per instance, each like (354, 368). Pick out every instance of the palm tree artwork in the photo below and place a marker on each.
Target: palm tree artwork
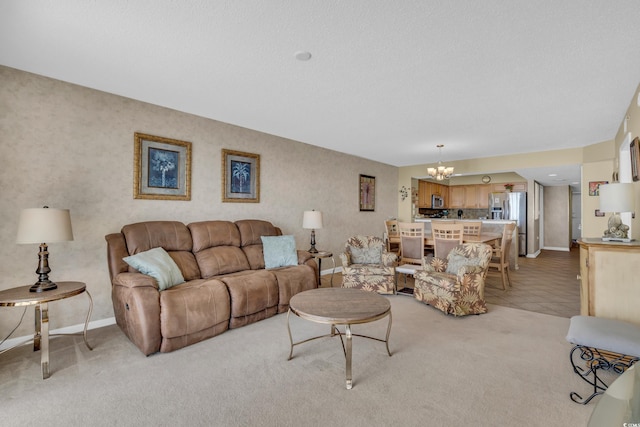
(163, 168)
(240, 177)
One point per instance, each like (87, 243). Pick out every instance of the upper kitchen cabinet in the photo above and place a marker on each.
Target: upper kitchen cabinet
(469, 196)
(427, 189)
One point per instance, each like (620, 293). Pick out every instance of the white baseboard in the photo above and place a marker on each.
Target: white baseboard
(551, 248)
(534, 255)
(66, 330)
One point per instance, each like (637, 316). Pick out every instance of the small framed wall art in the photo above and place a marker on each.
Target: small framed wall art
(635, 159)
(240, 177)
(367, 193)
(594, 187)
(161, 168)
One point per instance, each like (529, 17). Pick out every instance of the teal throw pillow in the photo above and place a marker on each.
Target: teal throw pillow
(279, 251)
(158, 264)
(455, 261)
(366, 255)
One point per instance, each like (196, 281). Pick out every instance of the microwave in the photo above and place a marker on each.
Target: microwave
(437, 202)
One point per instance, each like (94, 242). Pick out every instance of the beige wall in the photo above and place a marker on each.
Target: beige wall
(72, 147)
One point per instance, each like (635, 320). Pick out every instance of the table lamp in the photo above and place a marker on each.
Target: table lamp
(38, 225)
(312, 220)
(615, 198)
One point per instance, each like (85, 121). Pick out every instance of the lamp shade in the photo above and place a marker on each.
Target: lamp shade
(312, 220)
(617, 197)
(44, 225)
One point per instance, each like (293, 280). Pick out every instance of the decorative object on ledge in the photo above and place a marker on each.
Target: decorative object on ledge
(594, 187)
(441, 172)
(367, 193)
(162, 168)
(404, 193)
(312, 220)
(240, 177)
(599, 213)
(39, 225)
(508, 187)
(615, 198)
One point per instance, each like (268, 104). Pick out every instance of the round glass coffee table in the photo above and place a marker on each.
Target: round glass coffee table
(340, 306)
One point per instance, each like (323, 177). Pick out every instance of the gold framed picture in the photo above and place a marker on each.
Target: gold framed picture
(240, 177)
(161, 168)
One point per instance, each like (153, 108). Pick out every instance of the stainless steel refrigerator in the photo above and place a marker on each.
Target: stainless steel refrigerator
(511, 206)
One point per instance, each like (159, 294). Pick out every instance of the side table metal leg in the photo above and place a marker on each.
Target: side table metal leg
(86, 322)
(348, 356)
(44, 324)
(388, 333)
(38, 330)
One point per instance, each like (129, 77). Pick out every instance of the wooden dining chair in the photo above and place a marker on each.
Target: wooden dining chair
(472, 228)
(500, 258)
(392, 236)
(446, 236)
(411, 248)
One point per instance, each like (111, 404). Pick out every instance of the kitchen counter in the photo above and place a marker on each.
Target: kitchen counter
(484, 221)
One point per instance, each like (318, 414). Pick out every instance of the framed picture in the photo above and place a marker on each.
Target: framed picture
(594, 187)
(240, 177)
(367, 193)
(161, 168)
(635, 159)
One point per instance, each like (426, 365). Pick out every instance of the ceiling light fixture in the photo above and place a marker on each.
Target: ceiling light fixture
(441, 172)
(303, 55)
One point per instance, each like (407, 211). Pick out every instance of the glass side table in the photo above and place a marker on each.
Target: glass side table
(20, 296)
(320, 255)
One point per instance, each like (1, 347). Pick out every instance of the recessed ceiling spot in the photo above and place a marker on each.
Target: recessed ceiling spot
(303, 55)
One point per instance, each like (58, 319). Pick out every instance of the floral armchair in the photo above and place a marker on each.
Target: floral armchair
(367, 265)
(455, 285)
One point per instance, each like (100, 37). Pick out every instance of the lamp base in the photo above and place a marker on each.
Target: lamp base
(42, 286)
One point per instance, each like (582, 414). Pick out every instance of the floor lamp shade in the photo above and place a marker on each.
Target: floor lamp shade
(312, 220)
(44, 225)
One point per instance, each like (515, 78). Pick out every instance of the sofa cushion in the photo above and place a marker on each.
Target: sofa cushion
(279, 251)
(158, 264)
(216, 245)
(251, 232)
(173, 236)
(254, 296)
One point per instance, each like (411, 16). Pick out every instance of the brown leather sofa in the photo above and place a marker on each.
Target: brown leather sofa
(226, 284)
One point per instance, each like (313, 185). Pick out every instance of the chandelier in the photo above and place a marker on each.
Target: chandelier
(441, 172)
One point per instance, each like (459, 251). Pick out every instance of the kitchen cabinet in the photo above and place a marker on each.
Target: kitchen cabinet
(610, 279)
(469, 196)
(427, 189)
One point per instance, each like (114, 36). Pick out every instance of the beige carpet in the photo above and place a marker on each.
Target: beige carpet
(504, 368)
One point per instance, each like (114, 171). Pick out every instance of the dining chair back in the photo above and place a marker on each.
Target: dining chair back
(500, 259)
(411, 242)
(392, 236)
(446, 236)
(472, 228)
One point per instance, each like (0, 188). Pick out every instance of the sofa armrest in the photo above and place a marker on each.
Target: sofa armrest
(135, 280)
(303, 257)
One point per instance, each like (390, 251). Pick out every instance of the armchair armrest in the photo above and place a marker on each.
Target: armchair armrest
(434, 265)
(345, 257)
(469, 269)
(389, 259)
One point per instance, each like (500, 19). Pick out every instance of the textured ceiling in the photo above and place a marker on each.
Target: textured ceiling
(387, 80)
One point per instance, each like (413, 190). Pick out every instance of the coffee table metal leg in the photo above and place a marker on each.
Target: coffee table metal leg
(388, 333)
(348, 356)
(290, 337)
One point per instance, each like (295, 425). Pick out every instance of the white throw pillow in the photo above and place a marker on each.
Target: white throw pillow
(279, 251)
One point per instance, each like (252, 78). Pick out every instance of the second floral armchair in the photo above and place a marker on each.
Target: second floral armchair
(455, 285)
